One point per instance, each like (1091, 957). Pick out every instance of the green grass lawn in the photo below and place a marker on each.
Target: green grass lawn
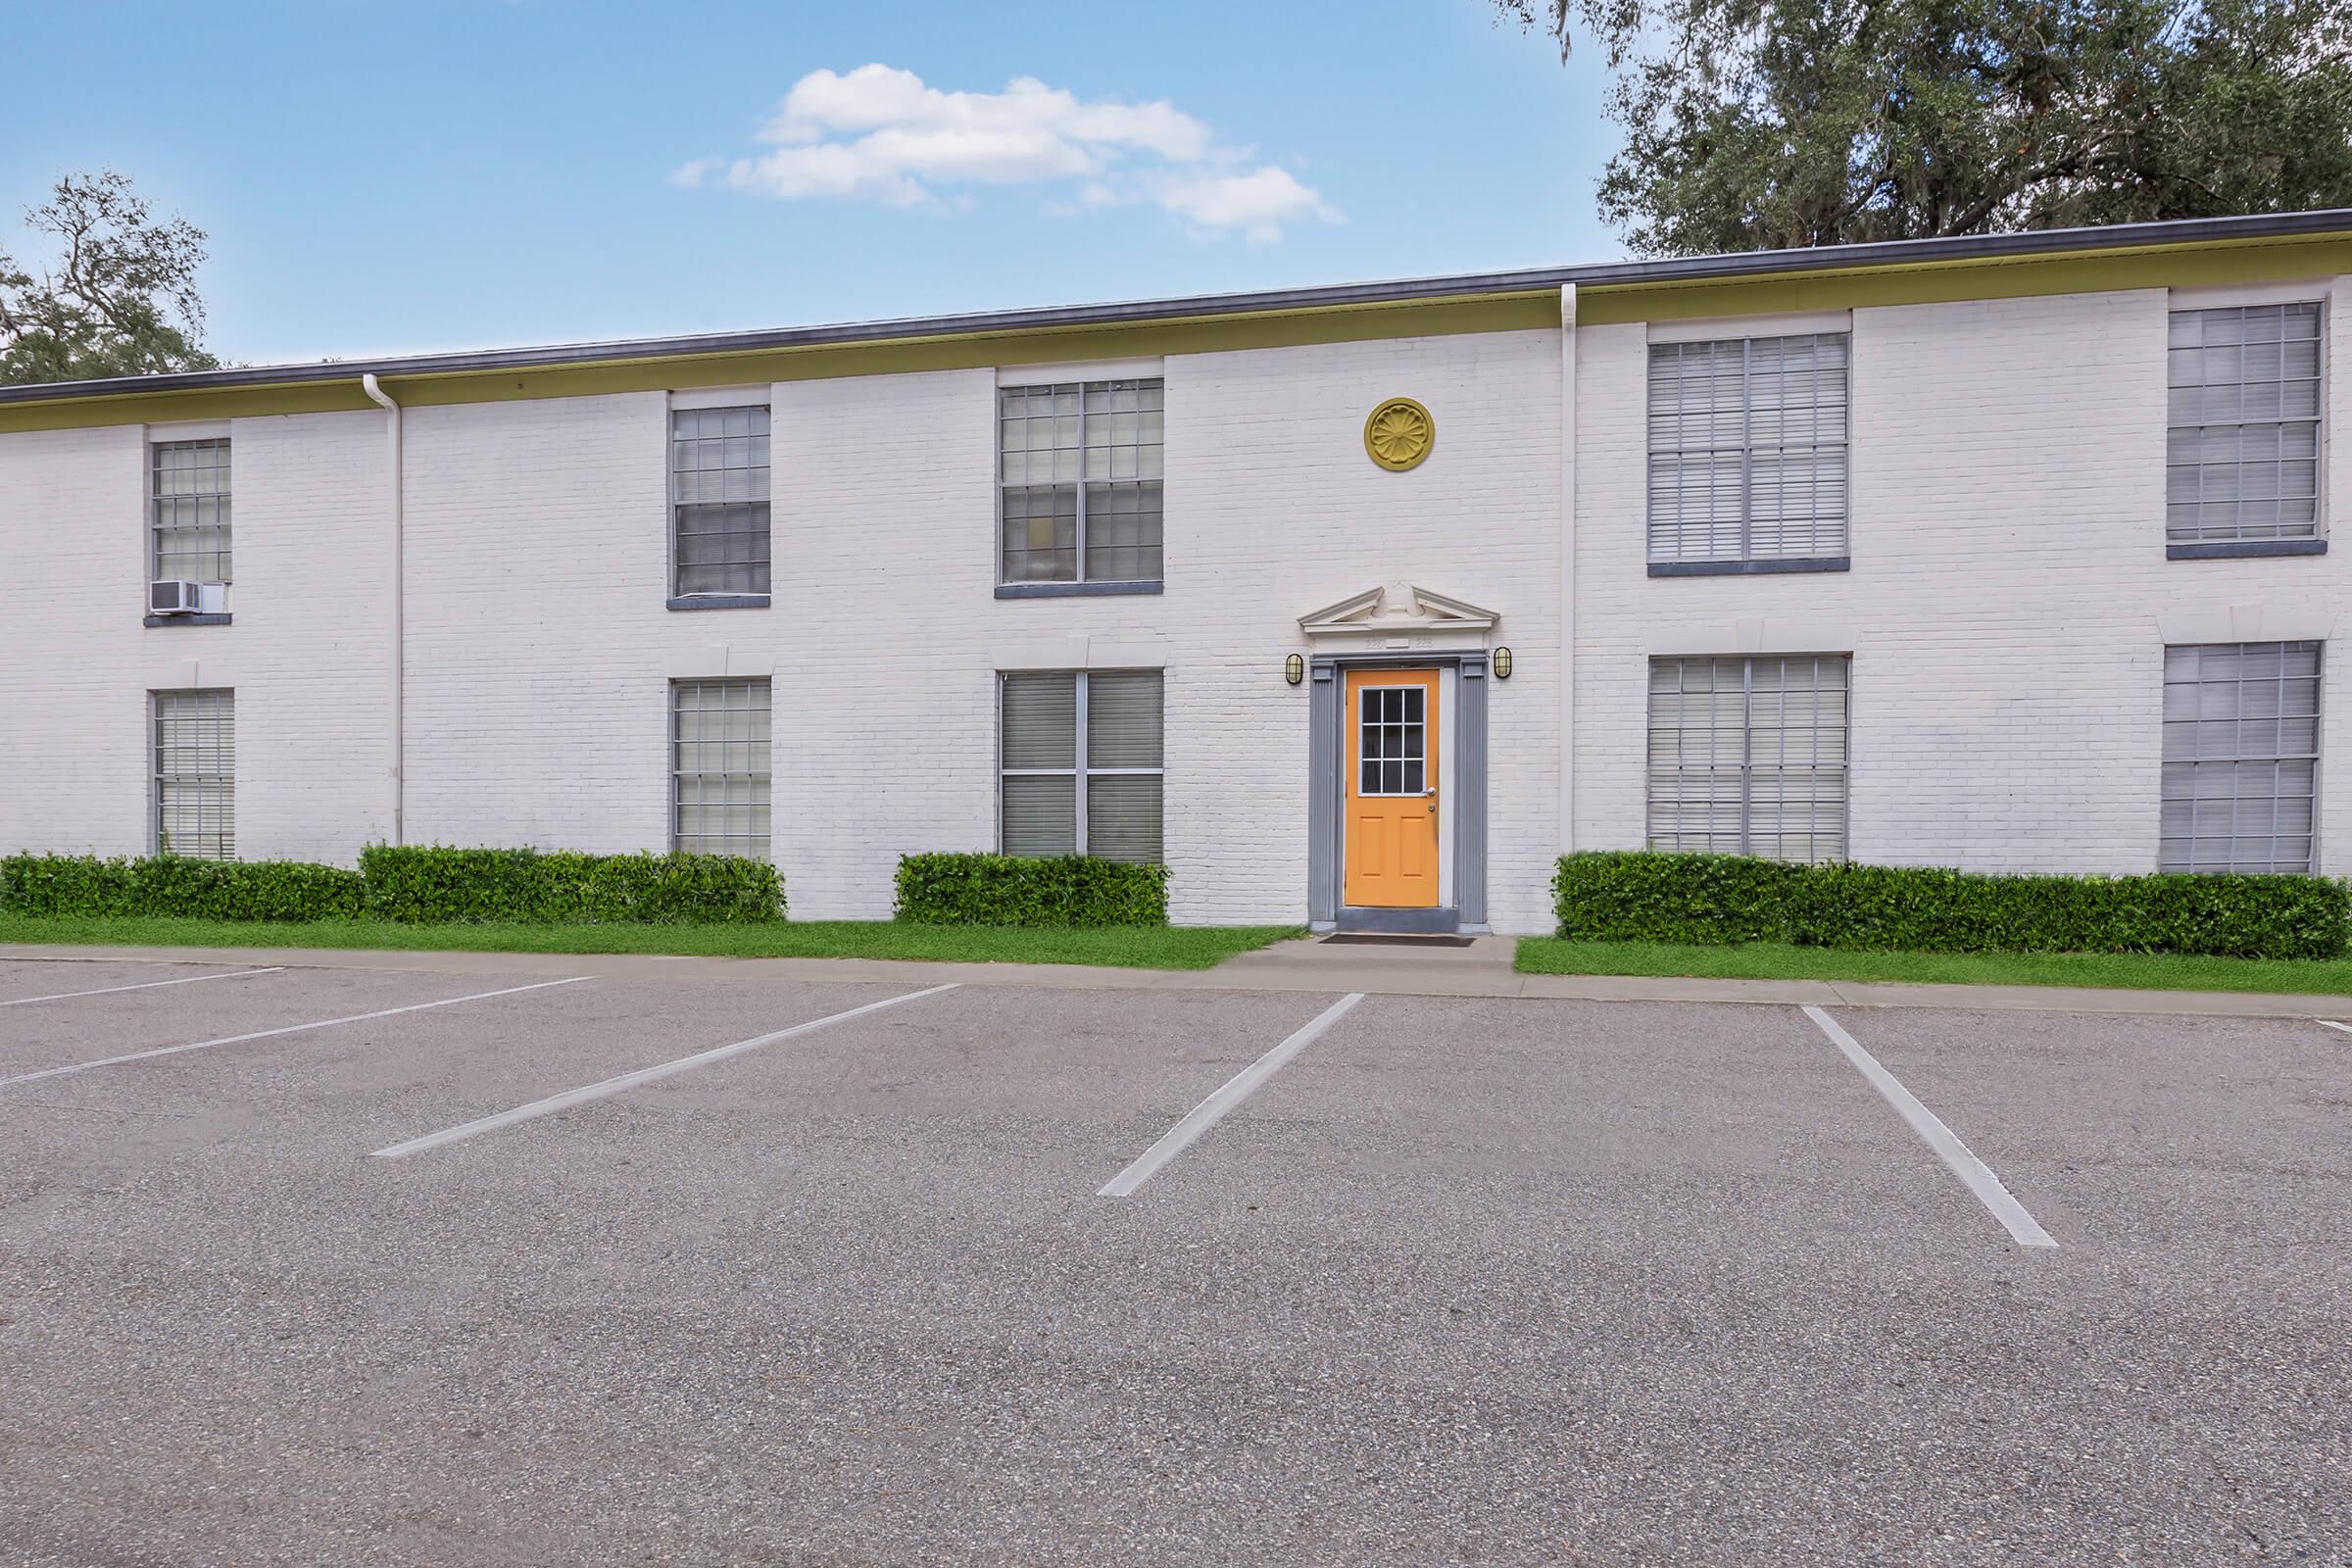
(1126, 947)
(1774, 961)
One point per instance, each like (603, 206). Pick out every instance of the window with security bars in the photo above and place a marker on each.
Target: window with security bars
(1748, 756)
(2241, 757)
(719, 761)
(189, 510)
(2242, 455)
(1080, 481)
(1081, 763)
(719, 500)
(1748, 443)
(196, 775)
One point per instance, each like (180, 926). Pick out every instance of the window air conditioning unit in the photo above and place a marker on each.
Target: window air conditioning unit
(170, 598)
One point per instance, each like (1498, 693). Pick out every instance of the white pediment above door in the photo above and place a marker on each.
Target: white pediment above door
(1400, 615)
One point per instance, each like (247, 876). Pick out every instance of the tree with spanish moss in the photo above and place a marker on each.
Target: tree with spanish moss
(1766, 123)
(116, 296)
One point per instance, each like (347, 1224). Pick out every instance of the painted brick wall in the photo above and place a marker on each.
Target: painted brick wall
(2006, 612)
(2003, 611)
(74, 698)
(540, 650)
(309, 654)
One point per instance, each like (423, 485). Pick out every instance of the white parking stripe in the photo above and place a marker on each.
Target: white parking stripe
(1973, 1172)
(1212, 1110)
(144, 985)
(630, 1080)
(2330, 1023)
(289, 1029)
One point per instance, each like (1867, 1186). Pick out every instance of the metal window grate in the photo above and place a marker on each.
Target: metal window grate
(188, 499)
(719, 494)
(2241, 757)
(196, 775)
(1747, 449)
(2242, 455)
(1748, 756)
(1081, 763)
(1080, 471)
(720, 766)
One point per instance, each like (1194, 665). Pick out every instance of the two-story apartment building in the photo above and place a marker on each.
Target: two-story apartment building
(1357, 605)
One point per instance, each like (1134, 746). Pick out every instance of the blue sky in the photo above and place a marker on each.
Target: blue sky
(465, 174)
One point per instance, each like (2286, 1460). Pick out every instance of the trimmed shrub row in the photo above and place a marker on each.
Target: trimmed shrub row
(1003, 889)
(421, 884)
(211, 890)
(433, 884)
(1640, 895)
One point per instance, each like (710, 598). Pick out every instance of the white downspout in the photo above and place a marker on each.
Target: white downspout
(399, 624)
(1568, 736)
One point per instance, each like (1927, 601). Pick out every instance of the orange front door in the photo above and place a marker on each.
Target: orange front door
(1391, 807)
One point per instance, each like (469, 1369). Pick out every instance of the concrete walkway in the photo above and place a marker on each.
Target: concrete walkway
(1481, 969)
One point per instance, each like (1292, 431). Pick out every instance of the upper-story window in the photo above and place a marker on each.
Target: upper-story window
(718, 542)
(1747, 445)
(2242, 455)
(1080, 467)
(189, 510)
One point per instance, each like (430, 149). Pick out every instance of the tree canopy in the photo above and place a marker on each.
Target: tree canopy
(118, 297)
(1765, 123)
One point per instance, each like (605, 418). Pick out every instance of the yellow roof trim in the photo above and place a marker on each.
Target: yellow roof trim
(2180, 264)
(1198, 335)
(2194, 264)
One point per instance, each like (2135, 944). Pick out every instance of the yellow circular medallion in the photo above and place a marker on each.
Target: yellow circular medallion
(1399, 434)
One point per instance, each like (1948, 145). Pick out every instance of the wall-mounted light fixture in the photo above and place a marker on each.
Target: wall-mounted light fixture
(1502, 663)
(1294, 668)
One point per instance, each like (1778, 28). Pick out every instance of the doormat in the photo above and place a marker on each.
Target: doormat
(1392, 940)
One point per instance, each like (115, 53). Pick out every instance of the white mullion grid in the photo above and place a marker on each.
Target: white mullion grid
(1081, 578)
(192, 768)
(1391, 738)
(2193, 818)
(184, 477)
(1721, 468)
(2201, 465)
(1817, 748)
(1748, 486)
(1079, 750)
(1081, 772)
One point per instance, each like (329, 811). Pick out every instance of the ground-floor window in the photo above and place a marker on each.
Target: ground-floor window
(1748, 756)
(720, 759)
(196, 775)
(1080, 759)
(2241, 757)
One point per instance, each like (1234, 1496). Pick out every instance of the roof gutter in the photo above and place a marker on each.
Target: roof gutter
(2271, 226)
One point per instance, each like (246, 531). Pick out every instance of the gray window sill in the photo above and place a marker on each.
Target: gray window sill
(718, 602)
(1073, 590)
(1749, 569)
(2246, 548)
(221, 620)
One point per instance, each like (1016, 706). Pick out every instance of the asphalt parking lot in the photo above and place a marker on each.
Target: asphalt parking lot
(402, 1266)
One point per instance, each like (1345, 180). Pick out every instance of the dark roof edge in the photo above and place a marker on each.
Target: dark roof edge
(1672, 269)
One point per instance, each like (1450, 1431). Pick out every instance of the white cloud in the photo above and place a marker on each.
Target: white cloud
(880, 135)
(1257, 203)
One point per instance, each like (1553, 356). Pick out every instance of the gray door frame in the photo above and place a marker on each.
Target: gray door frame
(1327, 717)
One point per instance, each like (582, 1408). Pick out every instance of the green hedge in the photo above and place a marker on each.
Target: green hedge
(1005, 890)
(170, 885)
(431, 884)
(1718, 898)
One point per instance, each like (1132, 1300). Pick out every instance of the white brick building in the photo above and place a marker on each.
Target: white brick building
(1892, 552)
